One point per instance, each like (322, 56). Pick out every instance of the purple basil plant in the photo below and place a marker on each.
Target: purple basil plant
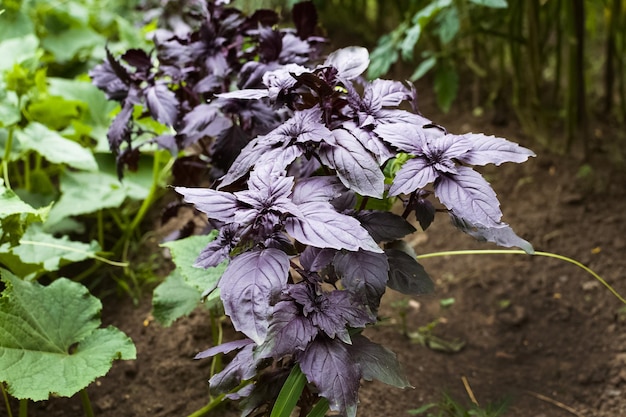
(306, 268)
(302, 153)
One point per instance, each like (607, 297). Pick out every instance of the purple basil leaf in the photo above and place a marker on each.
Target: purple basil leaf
(391, 116)
(261, 147)
(501, 235)
(246, 94)
(119, 131)
(270, 45)
(321, 226)
(316, 259)
(202, 121)
(329, 365)
(209, 84)
(304, 17)
(223, 348)
(383, 225)
(248, 286)
(288, 332)
(242, 367)
(317, 189)
(138, 58)
(162, 103)
(363, 273)
(295, 50)
(335, 311)
(406, 137)
(468, 195)
(415, 174)
(303, 127)
(382, 93)
(167, 141)
(280, 80)
(377, 362)
(107, 80)
(356, 167)
(371, 142)
(492, 150)
(350, 62)
(406, 275)
(217, 205)
(219, 248)
(424, 211)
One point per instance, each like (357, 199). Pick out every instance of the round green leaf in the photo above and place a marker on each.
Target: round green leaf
(50, 339)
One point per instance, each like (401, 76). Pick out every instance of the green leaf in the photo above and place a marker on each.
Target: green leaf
(88, 192)
(446, 86)
(69, 43)
(182, 290)
(184, 254)
(320, 409)
(424, 16)
(448, 24)
(9, 108)
(38, 247)
(289, 394)
(15, 24)
(98, 107)
(382, 57)
(16, 215)
(54, 147)
(18, 50)
(496, 4)
(51, 341)
(173, 299)
(408, 44)
(55, 112)
(424, 66)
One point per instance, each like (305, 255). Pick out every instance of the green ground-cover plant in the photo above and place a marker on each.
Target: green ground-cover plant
(63, 211)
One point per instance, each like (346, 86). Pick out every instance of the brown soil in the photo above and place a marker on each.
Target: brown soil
(539, 331)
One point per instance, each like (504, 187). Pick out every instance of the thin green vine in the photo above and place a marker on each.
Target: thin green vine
(71, 249)
(521, 252)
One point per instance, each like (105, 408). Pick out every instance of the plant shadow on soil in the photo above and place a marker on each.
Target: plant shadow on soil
(538, 331)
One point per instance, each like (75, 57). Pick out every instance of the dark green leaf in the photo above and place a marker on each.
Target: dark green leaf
(174, 298)
(497, 4)
(424, 66)
(446, 86)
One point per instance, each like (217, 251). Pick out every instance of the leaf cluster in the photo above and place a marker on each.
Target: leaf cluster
(306, 160)
(57, 175)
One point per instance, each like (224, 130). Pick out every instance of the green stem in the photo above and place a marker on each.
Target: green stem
(216, 401)
(100, 219)
(210, 406)
(23, 407)
(6, 400)
(156, 174)
(145, 205)
(217, 335)
(84, 398)
(5, 159)
(521, 252)
(27, 169)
